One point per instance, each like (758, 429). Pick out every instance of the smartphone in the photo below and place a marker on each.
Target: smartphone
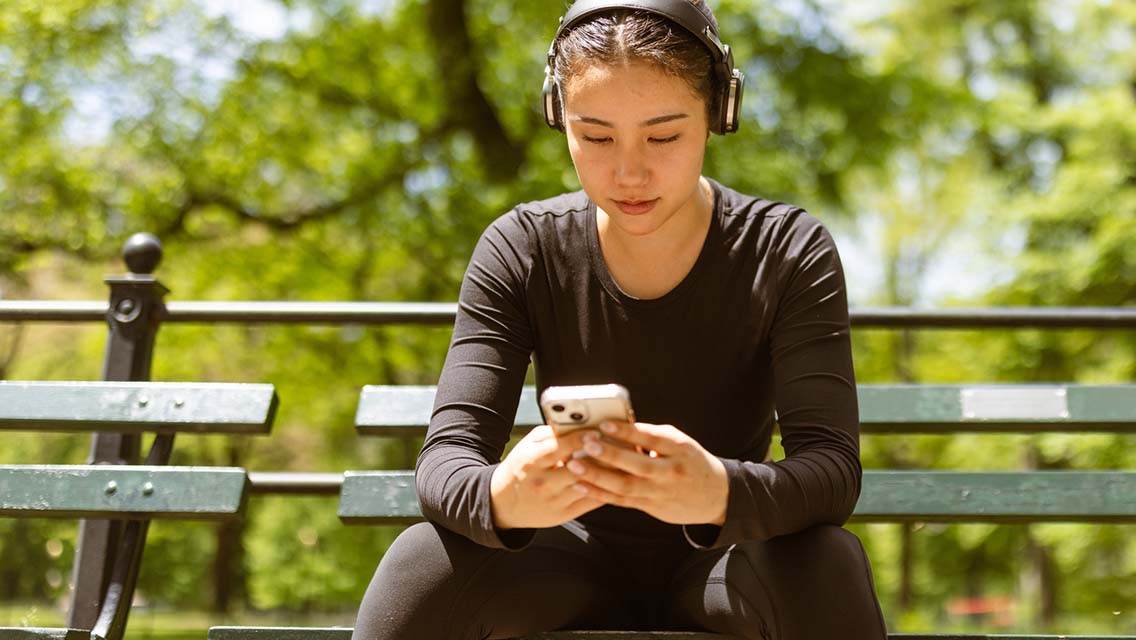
(585, 406)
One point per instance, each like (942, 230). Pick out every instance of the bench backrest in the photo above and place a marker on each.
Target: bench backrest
(1016, 496)
(405, 410)
(136, 407)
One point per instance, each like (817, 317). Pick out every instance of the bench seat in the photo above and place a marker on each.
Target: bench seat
(32, 633)
(122, 492)
(344, 633)
(388, 497)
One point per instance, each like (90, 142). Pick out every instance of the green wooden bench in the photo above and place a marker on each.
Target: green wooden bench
(388, 497)
(135, 494)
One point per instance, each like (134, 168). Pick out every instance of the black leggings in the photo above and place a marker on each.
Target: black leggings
(434, 583)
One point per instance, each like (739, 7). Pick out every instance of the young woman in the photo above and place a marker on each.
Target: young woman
(714, 309)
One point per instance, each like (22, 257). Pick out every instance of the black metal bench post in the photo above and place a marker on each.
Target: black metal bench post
(108, 552)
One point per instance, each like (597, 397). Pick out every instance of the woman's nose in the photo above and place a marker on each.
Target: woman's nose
(631, 169)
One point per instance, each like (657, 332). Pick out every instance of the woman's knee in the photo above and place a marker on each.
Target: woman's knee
(822, 581)
(824, 552)
(414, 585)
(812, 584)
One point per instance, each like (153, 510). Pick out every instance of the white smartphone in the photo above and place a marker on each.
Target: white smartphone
(574, 407)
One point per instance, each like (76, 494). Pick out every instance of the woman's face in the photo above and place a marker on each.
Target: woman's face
(637, 136)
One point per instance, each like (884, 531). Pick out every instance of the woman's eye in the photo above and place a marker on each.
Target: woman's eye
(596, 140)
(664, 140)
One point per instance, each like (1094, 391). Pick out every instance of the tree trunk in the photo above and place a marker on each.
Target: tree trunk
(1039, 579)
(228, 560)
(906, 588)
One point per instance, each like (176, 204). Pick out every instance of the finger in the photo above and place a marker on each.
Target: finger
(555, 485)
(608, 497)
(622, 458)
(665, 439)
(557, 448)
(610, 480)
(583, 503)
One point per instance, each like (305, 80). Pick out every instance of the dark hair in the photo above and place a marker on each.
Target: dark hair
(625, 36)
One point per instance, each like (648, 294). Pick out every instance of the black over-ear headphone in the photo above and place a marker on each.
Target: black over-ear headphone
(728, 81)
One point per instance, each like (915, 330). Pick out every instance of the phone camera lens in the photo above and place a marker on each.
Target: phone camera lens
(558, 408)
(576, 415)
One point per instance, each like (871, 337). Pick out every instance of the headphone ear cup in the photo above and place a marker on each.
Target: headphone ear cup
(550, 102)
(731, 105)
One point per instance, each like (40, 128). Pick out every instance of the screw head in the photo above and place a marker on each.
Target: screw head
(148, 489)
(111, 488)
(143, 401)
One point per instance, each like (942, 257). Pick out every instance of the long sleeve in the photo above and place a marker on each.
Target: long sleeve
(815, 397)
(479, 388)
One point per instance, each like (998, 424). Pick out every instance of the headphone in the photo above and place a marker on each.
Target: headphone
(728, 81)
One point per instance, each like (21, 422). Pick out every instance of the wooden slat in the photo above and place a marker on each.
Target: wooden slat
(342, 633)
(949, 496)
(1006, 496)
(137, 407)
(122, 492)
(378, 497)
(30, 633)
(997, 408)
(405, 410)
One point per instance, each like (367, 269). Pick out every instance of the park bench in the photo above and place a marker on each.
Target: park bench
(125, 497)
(388, 497)
(129, 494)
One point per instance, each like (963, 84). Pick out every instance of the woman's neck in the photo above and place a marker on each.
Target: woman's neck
(648, 266)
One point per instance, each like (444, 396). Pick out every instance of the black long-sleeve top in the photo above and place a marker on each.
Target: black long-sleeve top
(760, 324)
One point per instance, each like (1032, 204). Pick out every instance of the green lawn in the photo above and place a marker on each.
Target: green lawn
(149, 624)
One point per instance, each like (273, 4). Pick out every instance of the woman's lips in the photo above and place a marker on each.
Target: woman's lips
(636, 207)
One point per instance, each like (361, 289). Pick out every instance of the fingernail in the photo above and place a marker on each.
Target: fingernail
(576, 468)
(580, 454)
(580, 488)
(607, 427)
(593, 448)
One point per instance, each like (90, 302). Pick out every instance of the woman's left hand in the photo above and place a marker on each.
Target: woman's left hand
(678, 482)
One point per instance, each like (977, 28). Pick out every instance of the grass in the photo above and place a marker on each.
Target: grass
(166, 624)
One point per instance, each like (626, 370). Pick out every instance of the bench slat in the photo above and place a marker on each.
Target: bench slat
(341, 633)
(137, 407)
(344, 633)
(121, 492)
(887, 496)
(1006, 496)
(33, 633)
(405, 410)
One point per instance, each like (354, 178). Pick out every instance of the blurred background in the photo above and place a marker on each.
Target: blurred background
(963, 153)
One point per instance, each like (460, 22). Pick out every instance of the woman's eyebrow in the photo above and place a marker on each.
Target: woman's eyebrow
(646, 123)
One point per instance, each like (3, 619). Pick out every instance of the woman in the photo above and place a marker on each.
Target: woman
(713, 308)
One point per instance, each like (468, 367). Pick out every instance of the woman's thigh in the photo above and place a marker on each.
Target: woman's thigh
(815, 584)
(433, 583)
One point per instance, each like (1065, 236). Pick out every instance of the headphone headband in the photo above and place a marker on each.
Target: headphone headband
(681, 12)
(728, 80)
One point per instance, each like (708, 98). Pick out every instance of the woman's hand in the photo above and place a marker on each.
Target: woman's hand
(678, 481)
(532, 488)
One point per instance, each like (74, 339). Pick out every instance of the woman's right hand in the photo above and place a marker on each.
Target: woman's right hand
(532, 488)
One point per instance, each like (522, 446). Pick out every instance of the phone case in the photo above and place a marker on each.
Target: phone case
(568, 408)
